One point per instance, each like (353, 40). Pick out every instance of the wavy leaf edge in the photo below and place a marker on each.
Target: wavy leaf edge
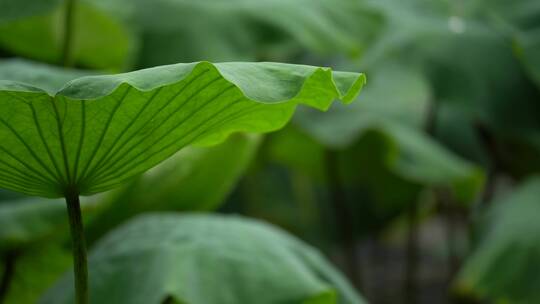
(73, 89)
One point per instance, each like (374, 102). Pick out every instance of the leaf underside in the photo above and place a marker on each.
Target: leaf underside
(99, 131)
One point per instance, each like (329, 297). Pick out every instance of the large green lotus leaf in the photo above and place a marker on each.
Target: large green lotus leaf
(191, 30)
(395, 105)
(36, 270)
(506, 262)
(206, 259)
(99, 41)
(99, 131)
(195, 179)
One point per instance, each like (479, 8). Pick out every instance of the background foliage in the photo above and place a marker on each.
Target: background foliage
(423, 190)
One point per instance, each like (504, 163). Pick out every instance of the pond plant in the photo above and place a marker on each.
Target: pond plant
(97, 132)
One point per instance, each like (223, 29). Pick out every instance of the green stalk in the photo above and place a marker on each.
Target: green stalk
(79, 248)
(67, 41)
(343, 218)
(413, 221)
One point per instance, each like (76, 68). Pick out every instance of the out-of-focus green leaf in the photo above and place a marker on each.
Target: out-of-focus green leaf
(195, 179)
(506, 263)
(27, 221)
(99, 131)
(15, 9)
(368, 171)
(295, 149)
(451, 40)
(36, 270)
(206, 259)
(218, 30)
(396, 94)
(424, 161)
(411, 26)
(47, 77)
(6, 196)
(99, 41)
(520, 22)
(395, 106)
(494, 91)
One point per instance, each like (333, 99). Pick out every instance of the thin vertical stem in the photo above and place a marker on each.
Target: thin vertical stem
(412, 246)
(412, 253)
(79, 248)
(67, 40)
(495, 163)
(343, 218)
(448, 208)
(9, 270)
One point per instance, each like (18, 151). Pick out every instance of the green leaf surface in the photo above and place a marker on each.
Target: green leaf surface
(99, 41)
(409, 27)
(206, 259)
(194, 179)
(36, 270)
(494, 91)
(26, 221)
(506, 263)
(6, 196)
(519, 21)
(44, 76)
(15, 9)
(29, 222)
(99, 131)
(217, 30)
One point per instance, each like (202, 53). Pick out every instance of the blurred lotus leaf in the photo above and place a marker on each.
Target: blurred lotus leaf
(397, 114)
(519, 21)
(36, 269)
(206, 259)
(15, 9)
(243, 30)
(195, 179)
(99, 41)
(47, 77)
(448, 43)
(506, 262)
(25, 222)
